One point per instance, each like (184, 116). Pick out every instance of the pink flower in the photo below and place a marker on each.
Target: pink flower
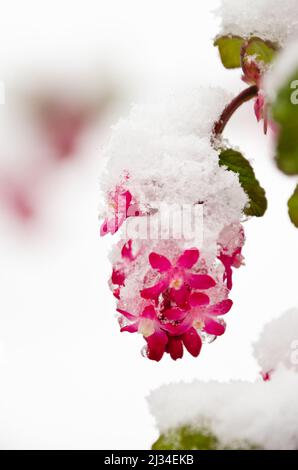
(205, 317)
(259, 107)
(126, 251)
(118, 277)
(178, 277)
(231, 242)
(261, 112)
(181, 332)
(149, 326)
(202, 316)
(173, 329)
(191, 340)
(119, 270)
(266, 376)
(123, 206)
(163, 334)
(120, 201)
(235, 260)
(252, 73)
(173, 314)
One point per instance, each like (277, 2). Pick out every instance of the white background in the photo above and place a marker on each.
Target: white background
(68, 378)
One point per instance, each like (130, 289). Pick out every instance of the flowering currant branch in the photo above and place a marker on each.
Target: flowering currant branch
(174, 289)
(252, 34)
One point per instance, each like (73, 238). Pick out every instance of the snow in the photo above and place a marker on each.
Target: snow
(278, 343)
(166, 151)
(262, 413)
(276, 21)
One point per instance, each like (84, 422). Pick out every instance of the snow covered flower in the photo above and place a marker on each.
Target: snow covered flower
(172, 289)
(120, 201)
(180, 309)
(231, 242)
(234, 260)
(121, 268)
(169, 329)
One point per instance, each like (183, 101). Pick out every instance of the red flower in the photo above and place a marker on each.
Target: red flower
(166, 334)
(178, 277)
(173, 329)
(190, 339)
(120, 200)
(252, 72)
(119, 270)
(205, 317)
(201, 315)
(252, 75)
(235, 260)
(149, 326)
(261, 111)
(266, 376)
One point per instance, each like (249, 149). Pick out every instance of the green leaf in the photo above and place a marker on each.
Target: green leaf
(186, 438)
(293, 207)
(263, 51)
(285, 114)
(189, 438)
(234, 161)
(229, 49)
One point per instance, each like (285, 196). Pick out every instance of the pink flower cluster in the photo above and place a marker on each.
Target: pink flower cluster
(177, 301)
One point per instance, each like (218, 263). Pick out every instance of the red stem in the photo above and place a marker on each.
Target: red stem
(229, 110)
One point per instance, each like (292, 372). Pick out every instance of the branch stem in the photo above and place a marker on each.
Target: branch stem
(229, 110)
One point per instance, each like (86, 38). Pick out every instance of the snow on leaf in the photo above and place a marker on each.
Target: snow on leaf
(230, 50)
(264, 51)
